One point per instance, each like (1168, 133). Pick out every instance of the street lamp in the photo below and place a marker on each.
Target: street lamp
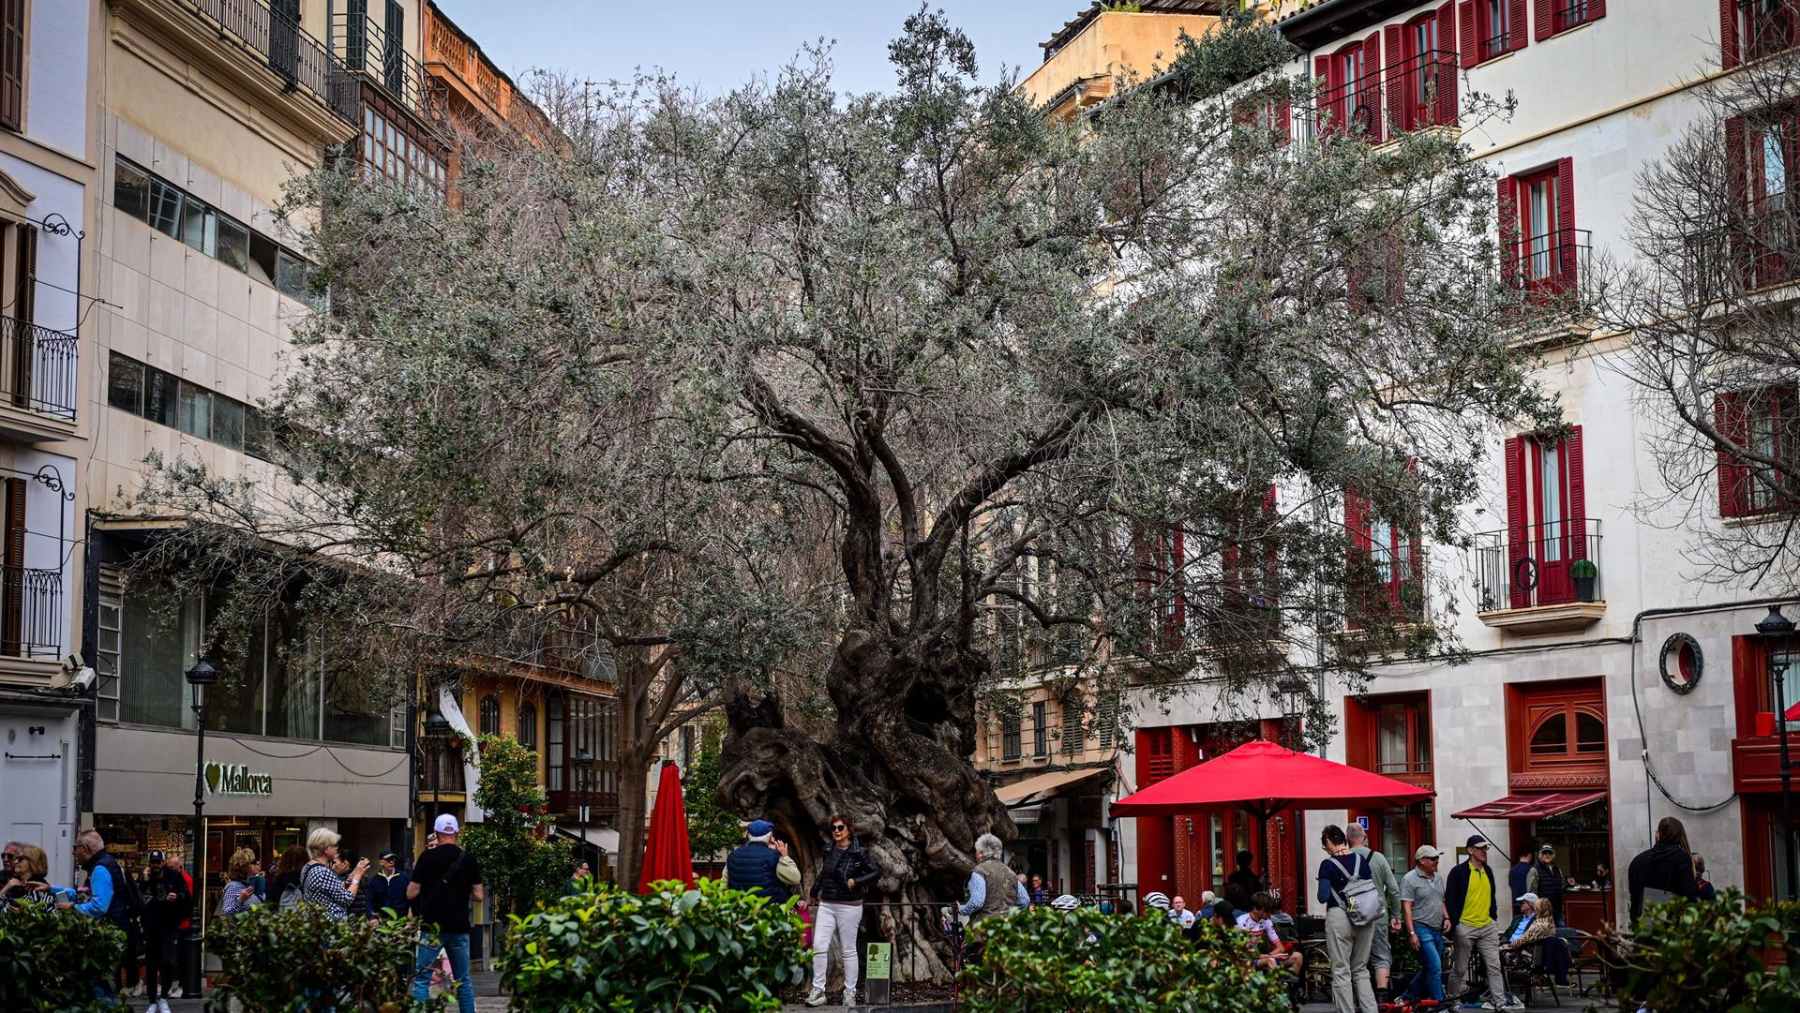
(202, 675)
(1777, 631)
(437, 731)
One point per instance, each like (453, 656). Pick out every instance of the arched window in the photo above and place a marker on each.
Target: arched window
(527, 724)
(490, 715)
(1567, 732)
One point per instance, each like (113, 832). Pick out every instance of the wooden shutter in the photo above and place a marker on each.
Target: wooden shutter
(1518, 535)
(1507, 204)
(1544, 13)
(1577, 507)
(1323, 95)
(1565, 224)
(1515, 32)
(24, 311)
(1596, 10)
(1396, 80)
(12, 64)
(1175, 622)
(1733, 424)
(1471, 43)
(1737, 246)
(1446, 68)
(393, 55)
(12, 608)
(1368, 90)
(1729, 54)
(1284, 121)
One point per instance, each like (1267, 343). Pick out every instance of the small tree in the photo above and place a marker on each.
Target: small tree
(520, 864)
(712, 828)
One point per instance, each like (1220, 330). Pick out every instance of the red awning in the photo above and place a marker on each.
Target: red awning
(1531, 805)
(1265, 778)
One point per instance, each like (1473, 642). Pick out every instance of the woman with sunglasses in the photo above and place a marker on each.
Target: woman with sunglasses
(837, 892)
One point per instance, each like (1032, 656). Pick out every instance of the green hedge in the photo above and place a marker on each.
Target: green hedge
(1709, 955)
(51, 959)
(673, 949)
(1084, 960)
(276, 960)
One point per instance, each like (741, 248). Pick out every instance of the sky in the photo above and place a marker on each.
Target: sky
(717, 44)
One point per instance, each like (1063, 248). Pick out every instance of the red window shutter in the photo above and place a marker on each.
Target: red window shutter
(1395, 77)
(1284, 119)
(1356, 520)
(1471, 49)
(1176, 623)
(1596, 10)
(12, 64)
(1733, 424)
(1577, 493)
(1446, 67)
(1518, 538)
(1544, 13)
(1515, 32)
(1728, 33)
(1508, 215)
(1737, 181)
(1324, 95)
(1368, 90)
(1565, 224)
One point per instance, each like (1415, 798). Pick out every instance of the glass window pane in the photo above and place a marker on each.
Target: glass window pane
(161, 402)
(165, 208)
(1552, 736)
(228, 422)
(234, 244)
(125, 384)
(262, 259)
(154, 659)
(131, 189)
(196, 411)
(1590, 733)
(234, 703)
(197, 226)
(293, 683)
(1391, 740)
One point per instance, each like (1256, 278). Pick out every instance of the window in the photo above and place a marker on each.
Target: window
(1386, 567)
(163, 398)
(1422, 69)
(1546, 516)
(1350, 89)
(1565, 732)
(131, 190)
(489, 715)
(1491, 28)
(1267, 115)
(111, 625)
(1071, 723)
(12, 64)
(196, 411)
(1561, 15)
(1009, 733)
(158, 643)
(527, 724)
(388, 150)
(553, 744)
(1541, 250)
(1403, 738)
(1039, 730)
(1107, 717)
(1753, 29)
(1763, 422)
(125, 384)
(687, 746)
(1495, 27)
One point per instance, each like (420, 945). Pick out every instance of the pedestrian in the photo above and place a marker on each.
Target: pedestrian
(110, 895)
(7, 856)
(239, 894)
(1518, 878)
(387, 890)
(1547, 881)
(1602, 877)
(285, 884)
(844, 876)
(1349, 932)
(581, 878)
(761, 864)
(1381, 951)
(1703, 887)
(1039, 893)
(166, 902)
(1422, 905)
(346, 862)
(1663, 872)
(319, 881)
(1179, 913)
(1243, 884)
(445, 880)
(1259, 922)
(26, 874)
(1469, 897)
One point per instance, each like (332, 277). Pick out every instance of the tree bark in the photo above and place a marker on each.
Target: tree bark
(634, 782)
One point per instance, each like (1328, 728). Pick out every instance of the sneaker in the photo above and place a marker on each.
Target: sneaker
(817, 998)
(174, 992)
(1512, 1002)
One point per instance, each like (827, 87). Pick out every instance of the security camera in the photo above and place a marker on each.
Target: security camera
(72, 664)
(74, 681)
(84, 680)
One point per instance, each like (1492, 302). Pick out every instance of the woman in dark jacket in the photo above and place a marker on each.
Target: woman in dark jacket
(837, 892)
(1666, 870)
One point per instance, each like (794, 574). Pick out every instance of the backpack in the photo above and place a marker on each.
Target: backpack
(1361, 898)
(124, 887)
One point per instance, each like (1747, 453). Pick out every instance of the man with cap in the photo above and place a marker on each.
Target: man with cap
(761, 864)
(1422, 908)
(445, 879)
(1547, 881)
(387, 891)
(1470, 901)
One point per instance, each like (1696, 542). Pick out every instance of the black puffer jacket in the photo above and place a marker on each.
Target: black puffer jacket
(842, 865)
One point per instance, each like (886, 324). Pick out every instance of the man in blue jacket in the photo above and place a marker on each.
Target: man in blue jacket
(110, 896)
(761, 864)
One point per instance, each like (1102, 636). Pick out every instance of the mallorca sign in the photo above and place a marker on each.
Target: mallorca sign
(237, 779)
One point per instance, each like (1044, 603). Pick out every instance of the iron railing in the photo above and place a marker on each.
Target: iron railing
(1414, 94)
(30, 612)
(1538, 565)
(365, 48)
(1552, 264)
(1757, 250)
(297, 58)
(37, 368)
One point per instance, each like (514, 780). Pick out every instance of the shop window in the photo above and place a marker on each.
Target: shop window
(489, 711)
(1582, 839)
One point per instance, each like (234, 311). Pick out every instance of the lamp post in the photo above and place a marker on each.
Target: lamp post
(1777, 631)
(202, 675)
(437, 730)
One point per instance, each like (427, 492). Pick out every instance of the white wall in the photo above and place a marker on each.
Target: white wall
(57, 256)
(57, 76)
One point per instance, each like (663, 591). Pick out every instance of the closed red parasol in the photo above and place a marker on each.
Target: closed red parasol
(667, 854)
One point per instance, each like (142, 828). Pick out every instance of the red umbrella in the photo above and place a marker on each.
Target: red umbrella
(667, 854)
(1266, 778)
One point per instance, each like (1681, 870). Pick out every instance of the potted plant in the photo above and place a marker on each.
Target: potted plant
(1584, 573)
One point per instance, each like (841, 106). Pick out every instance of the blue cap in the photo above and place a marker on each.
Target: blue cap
(761, 828)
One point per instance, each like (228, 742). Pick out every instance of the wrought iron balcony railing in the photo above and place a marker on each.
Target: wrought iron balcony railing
(1549, 265)
(1554, 563)
(365, 48)
(31, 612)
(1413, 94)
(37, 368)
(296, 57)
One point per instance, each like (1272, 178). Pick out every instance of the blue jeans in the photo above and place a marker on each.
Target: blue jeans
(456, 945)
(1429, 982)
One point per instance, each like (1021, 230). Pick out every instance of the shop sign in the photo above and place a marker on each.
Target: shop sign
(237, 779)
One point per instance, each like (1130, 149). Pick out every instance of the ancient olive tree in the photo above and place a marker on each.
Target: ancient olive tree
(1714, 347)
(1008, 377)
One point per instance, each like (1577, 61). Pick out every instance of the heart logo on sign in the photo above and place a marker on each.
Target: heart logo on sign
(212, 777)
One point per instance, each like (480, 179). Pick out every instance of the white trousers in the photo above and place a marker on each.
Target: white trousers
(837, 921)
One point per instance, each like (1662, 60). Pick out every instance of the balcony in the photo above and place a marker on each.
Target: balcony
(1541, 579)
(1757, 252)
(1551, 266)
(31, 615)
(38, 381)
(367, 51)
(1418, 93)
(300, 63)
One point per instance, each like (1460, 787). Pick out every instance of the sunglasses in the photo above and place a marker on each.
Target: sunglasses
(836, 827)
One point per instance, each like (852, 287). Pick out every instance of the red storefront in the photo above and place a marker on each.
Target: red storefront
(1756, 759)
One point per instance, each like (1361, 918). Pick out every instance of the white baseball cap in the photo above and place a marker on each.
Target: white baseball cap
(445, 824)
